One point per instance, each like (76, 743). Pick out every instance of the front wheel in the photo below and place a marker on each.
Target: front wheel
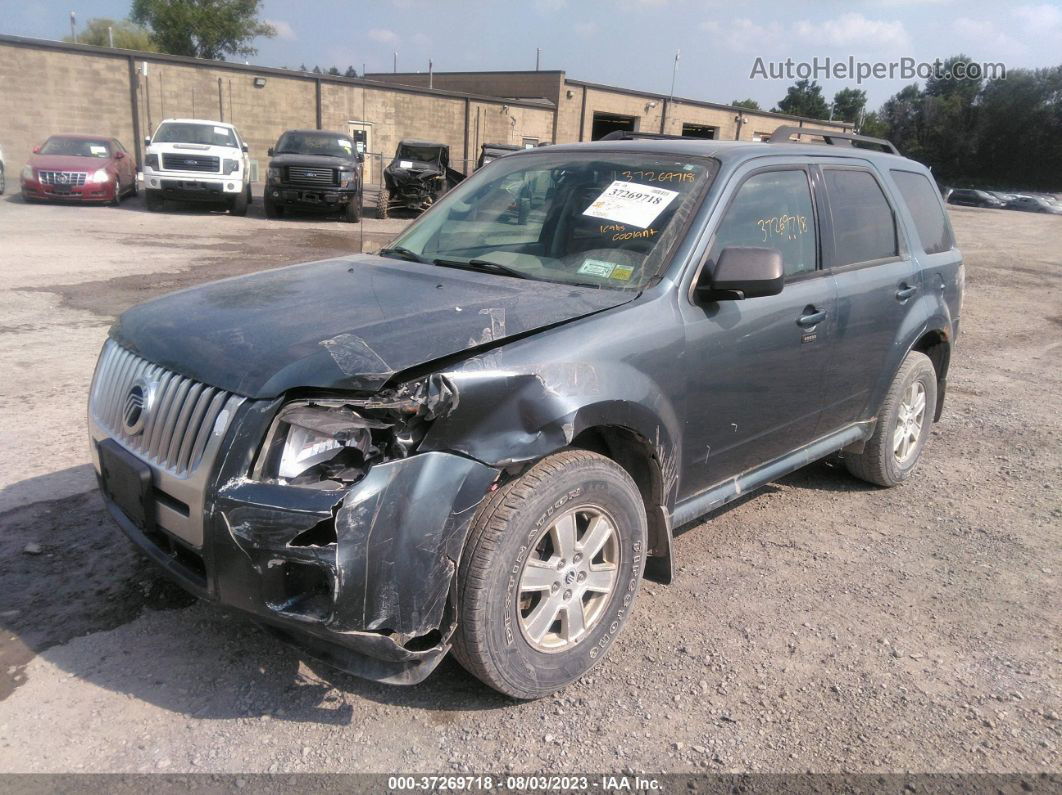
(893, 452)
(238, 203)
(3, 181)
(153, 200)
(352, 212)
(550, 574)
(272, 210)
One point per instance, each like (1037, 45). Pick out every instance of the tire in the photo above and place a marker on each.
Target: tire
(3, 181)
(117, 200)
(135, 190)
(271, 210)
(887, 461)
(238, 204)
(383, 201)
(153, 200)
(250, 195)
(498, 639)
(352, 212)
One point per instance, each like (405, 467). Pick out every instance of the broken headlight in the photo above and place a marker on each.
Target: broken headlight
(332, 442)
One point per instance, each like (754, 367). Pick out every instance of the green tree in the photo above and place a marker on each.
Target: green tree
(127, 35)
(203, 28)
(902, 117)
(804, 98)
(873, 125)
(334, 70)
(848, 104)
(351, 72)
(749, 104)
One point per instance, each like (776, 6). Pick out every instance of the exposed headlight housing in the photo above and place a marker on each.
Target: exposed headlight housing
(152, 162)
(346, 179)
(231, 166)
(100, 175)
(273, 174)
(27, 172)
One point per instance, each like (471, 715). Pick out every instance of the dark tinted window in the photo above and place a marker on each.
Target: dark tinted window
(772, 210)
(921, 199)
(863, 226)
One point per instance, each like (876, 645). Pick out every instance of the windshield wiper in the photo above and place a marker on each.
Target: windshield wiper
(483, 265)
(401, 252)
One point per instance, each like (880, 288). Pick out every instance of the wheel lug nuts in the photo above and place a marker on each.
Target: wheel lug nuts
(561, 563)
(567, 594)
(582, 576)
(577, 558)
(555, 587)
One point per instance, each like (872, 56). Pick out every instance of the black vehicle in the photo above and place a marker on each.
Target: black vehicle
(419, 174)
(974, 198)
(314, 170)
(491, 152)
(481, 439)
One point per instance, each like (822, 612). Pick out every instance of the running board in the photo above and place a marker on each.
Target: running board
(729, 490)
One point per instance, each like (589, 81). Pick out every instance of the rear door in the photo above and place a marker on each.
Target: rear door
(755, 367)
(877, 287)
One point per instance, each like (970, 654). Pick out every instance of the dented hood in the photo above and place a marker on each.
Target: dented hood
(349, 323)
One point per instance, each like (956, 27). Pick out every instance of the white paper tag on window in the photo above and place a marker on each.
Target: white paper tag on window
(97, 150)
(405, 164)
(222, 131)
(631, 203)
(596, 267)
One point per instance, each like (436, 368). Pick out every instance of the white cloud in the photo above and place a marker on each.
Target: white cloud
(986, 39)
(383, 35)
(1041, 18)
(586, 28)
(283, 29)
(744, 35)
(856, 30)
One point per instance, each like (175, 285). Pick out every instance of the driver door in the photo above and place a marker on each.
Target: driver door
(755, 367)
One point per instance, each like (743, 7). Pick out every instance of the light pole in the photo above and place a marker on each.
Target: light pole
(73, 26)
(538, 56)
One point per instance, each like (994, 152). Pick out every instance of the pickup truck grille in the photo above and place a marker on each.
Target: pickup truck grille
(175, 162)
(76, 178)
(179, 414)
(312, 176)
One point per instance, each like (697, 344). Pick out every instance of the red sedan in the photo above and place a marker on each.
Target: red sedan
(89, 168)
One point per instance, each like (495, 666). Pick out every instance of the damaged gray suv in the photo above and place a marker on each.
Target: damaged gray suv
(481, 439)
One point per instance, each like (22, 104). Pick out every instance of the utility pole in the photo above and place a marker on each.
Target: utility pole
(110, 36)
(671, 96)
(431, 80)
(538, 57)
(73, 26)
(396, 62)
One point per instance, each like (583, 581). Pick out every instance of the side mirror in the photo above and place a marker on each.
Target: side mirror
(743, 272)
(269, 152)
(147, 142)
(36, 150)
(245, 148)
(119, 155)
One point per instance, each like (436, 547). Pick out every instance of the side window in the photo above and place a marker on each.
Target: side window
(772, 210)
(920, 195)
(863, 225)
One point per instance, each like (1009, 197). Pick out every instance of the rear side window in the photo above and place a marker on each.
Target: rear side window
(918, 192)
(772, 210)
(863, 225)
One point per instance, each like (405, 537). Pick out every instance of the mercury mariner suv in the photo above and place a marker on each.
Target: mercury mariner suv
(480, 439)
(199, 161)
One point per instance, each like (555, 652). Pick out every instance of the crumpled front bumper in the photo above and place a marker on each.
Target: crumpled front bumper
(359, 578)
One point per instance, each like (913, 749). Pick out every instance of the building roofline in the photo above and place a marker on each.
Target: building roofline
(91, 49)
(478, 72)
(702, 103)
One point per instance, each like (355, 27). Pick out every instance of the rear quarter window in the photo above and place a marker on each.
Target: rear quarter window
(920, 196)
(863, 225)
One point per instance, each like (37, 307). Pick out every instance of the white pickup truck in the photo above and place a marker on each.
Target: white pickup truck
(197, 160)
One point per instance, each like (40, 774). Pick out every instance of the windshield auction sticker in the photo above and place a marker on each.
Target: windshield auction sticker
(631, 203)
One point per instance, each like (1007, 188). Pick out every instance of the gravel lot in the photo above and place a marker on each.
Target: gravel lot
(819, 624)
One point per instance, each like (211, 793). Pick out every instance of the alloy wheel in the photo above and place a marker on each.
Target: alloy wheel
(909, 420)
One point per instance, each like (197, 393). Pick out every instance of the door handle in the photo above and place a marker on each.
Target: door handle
(906, 291)
(811, 318)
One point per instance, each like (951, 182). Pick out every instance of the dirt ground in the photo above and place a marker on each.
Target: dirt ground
(819, 624)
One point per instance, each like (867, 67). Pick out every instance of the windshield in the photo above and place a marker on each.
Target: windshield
(184, 133)
(308, 143)
(418, 154)
(76, 147)
(600, 219)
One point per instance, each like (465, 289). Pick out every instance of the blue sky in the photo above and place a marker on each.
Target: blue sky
(626, 42)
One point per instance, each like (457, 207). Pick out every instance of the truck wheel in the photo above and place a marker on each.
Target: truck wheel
(352, 212)
(3, 181)
(238, 204)
(383, 201)
(892, 453)
(153, 200)
(550, 574)
(272, 210)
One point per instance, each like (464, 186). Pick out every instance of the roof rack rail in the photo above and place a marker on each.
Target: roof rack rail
(783, 134)
(630, 135)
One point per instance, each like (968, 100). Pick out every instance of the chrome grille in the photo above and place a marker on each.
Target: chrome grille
(312, 176)
(174, 162)
(75, 178)
(180, 414)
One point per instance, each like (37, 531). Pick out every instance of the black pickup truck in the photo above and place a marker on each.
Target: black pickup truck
(314, 170)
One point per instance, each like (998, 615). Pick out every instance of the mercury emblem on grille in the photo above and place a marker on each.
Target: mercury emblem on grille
(138, 402)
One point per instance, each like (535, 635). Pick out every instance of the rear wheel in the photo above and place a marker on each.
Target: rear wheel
(153, 200)
(892, 453)
(550, 574)
(3, 181)
(383, 200)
